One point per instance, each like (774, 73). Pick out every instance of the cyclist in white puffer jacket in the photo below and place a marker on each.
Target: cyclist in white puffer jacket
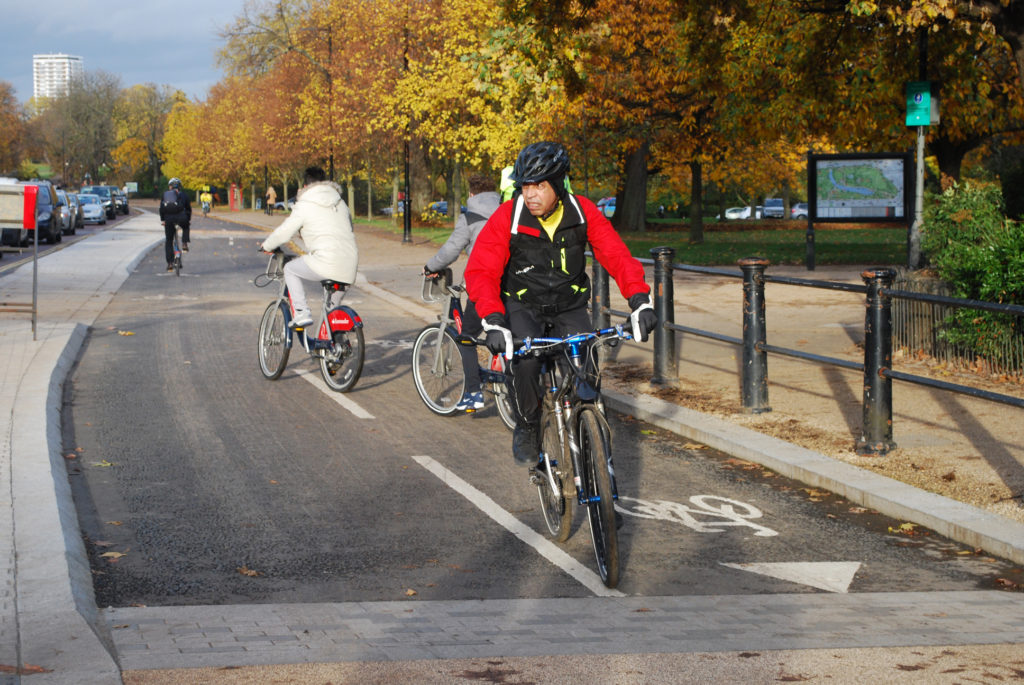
(322, 220)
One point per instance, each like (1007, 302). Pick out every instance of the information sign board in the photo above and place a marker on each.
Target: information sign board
(859, 187)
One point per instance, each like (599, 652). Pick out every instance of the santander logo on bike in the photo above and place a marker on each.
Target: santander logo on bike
(340, 319)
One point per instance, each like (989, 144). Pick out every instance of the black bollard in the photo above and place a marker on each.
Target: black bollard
(600, 302)
(876, 432)
(666, 369)
(754, 381)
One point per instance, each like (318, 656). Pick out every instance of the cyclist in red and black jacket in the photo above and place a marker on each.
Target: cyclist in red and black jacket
(527, 275)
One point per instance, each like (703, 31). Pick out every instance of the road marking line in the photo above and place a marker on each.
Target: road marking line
(544, 547)
(338, 397)
(831, 576)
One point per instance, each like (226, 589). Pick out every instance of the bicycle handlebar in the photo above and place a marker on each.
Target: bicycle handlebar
(528, 345)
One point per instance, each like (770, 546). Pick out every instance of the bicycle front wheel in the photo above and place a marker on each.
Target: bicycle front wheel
(437, 370)
(273, 343)
(503, 401)
(342, 365)
(596, 481)
(556, 507)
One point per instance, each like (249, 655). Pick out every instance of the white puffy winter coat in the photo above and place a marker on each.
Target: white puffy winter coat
(321, 219)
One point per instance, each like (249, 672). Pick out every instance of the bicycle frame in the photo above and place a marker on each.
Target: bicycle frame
(332, 319)
(564, 400)
(451, 320)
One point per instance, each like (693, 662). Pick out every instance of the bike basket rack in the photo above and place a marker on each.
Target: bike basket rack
(435, 289)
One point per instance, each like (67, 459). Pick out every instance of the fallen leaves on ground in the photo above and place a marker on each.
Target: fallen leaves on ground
(246, 571)
(27, 669)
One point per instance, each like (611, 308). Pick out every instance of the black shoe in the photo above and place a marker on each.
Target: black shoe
(185, 247)
(526, 445)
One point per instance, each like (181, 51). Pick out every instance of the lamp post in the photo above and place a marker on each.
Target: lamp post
(407, 200)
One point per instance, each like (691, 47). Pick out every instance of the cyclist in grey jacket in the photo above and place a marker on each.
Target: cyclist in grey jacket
(483, 200)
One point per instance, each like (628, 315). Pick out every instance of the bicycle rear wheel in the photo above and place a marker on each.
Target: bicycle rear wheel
(503, 402)
(556, 507)
(273, 342)
(596, 481)
(342, 365)
(437, 370)
(177, 251)
(491, 364)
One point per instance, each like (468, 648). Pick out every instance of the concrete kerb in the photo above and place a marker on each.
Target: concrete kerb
(60, 630)
(59, 626)
(958, 521)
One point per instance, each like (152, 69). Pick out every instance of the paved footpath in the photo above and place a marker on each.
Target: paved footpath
(52, 632)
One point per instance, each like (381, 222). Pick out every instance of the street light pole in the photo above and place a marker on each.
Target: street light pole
(330, 96)
(407, 201)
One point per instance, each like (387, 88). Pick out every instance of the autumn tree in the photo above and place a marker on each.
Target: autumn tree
(79, 127)
(12, 130)
(140, 115)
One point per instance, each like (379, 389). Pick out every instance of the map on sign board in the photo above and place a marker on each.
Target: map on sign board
(860, 188)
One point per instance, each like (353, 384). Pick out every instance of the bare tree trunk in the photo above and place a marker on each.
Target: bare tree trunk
(351, 194)
(696, 204)
(630, 213)
(369, 191)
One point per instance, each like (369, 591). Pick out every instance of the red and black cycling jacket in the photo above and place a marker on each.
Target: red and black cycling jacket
(546, 274)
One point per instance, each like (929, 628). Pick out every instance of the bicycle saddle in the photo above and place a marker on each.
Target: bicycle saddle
(334, 285)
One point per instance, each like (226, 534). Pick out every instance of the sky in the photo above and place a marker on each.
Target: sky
(140, 41)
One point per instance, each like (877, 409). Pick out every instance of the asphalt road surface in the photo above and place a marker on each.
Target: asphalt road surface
(197, 481)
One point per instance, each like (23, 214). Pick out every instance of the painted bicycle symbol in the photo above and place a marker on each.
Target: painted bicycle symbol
(708, 513)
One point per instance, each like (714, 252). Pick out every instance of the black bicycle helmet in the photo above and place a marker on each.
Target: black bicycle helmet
(544, 161)
(174, 183)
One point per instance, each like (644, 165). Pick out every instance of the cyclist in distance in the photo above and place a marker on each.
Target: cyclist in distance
(527, 275)
(175, 210)
(483, 200)
(321, 219)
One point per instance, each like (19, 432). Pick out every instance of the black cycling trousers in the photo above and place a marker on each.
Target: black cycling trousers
(169, 226)
(524, 376)
(472, 327)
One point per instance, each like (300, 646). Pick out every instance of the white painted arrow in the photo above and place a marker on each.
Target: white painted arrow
(831, 576)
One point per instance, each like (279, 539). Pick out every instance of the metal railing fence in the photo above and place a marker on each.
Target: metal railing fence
(876, 430)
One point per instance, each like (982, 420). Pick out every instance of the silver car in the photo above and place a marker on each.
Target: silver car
(67, 216)
(93, 211)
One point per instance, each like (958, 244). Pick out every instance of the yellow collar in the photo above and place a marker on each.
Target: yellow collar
(551, 223)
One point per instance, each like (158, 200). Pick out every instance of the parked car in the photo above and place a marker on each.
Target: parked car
(743, 212)
(92, 209)
(107, 197)
(77, 204)
(67, 218)
(799, 210)
(121, 201)
(607, 206)
(48, 218)
(289, 205)
(441, 207)
(774, 208)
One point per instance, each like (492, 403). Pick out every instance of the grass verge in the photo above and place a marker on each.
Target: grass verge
(725, 244)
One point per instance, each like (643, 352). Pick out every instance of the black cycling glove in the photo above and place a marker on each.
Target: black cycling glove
(499, 337)
(643, 319)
